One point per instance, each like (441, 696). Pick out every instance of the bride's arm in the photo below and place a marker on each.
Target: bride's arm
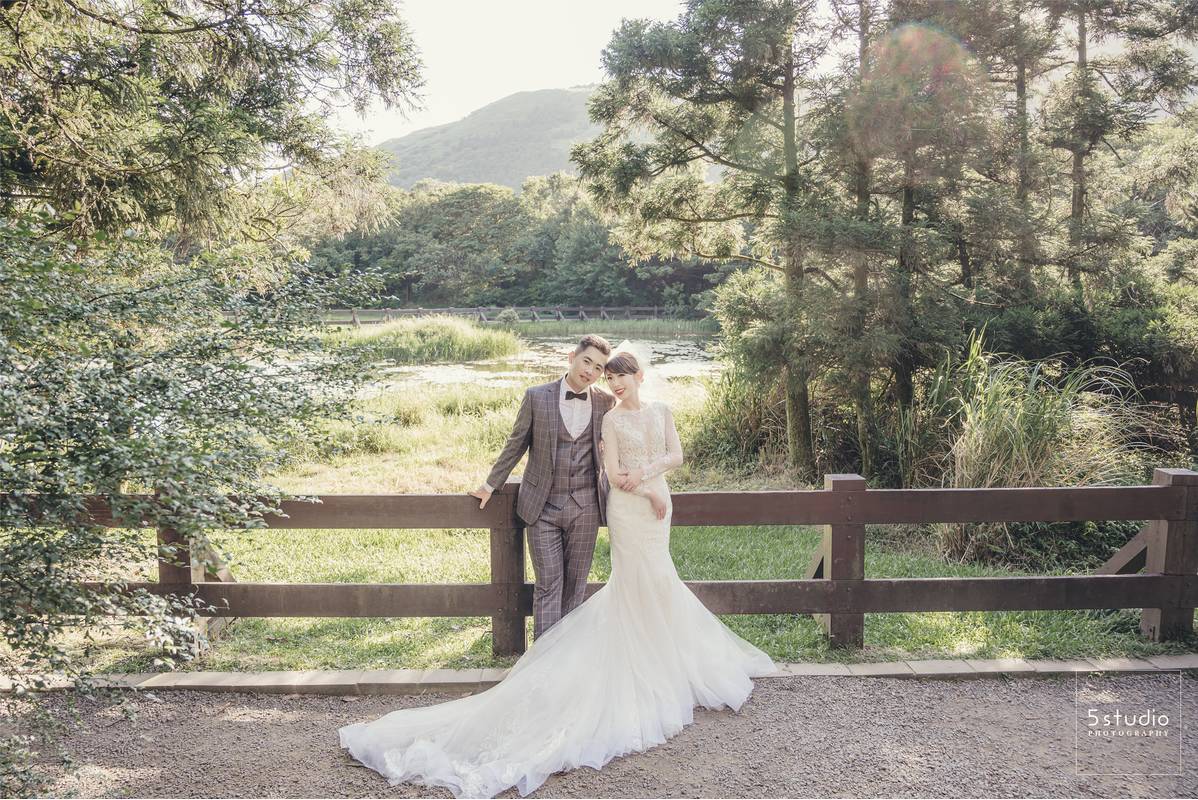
(611, 448)
(611, 455)
(672, 458)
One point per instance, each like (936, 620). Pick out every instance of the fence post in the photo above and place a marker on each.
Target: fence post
(1172, 550)
(507, 574)
(175, 564)
(844, 559)
(178, 565)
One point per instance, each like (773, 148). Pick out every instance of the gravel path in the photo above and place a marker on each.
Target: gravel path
(796, 737)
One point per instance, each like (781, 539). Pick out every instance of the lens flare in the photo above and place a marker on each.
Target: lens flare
(922, 92)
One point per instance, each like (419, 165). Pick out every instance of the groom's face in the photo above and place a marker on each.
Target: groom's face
(587, 366)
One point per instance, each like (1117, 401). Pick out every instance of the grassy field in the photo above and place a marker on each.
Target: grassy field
(431, 340)
(443, 440)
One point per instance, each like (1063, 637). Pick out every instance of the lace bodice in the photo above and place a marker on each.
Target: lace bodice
(645, 439)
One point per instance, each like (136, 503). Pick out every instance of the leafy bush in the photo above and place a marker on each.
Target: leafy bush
(741, 425)
(508, 318)
(1074, 546)
(168, 385)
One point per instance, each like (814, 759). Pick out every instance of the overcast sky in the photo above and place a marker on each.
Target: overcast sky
(477, 51)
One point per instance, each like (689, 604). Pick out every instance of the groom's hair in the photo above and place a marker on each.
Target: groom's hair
(595, 341)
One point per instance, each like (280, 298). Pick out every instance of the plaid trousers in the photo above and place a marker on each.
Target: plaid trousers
(561, 543)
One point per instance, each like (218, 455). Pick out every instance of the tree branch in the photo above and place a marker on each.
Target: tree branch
(737, 256)
(724, 218)
(118, 23)
(832, 281)
(702, 148)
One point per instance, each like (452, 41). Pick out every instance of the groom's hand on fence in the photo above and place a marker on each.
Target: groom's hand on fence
(482, 494)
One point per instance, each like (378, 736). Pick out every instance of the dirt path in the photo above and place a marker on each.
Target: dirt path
(797, 737)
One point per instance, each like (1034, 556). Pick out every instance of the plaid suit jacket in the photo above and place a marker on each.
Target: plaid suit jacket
(536, 431)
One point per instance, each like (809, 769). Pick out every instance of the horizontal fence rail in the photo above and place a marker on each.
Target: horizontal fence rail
(799, 507)
(1157, 571)
(490, 314)
(877, 595)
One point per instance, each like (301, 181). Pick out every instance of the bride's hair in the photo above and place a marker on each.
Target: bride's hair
(622, 363)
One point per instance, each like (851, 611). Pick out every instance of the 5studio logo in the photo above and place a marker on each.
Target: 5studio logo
(1128, 724)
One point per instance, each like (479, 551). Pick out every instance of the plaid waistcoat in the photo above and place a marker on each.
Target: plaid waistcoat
(574, 466)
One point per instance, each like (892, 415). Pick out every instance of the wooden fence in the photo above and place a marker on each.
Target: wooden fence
(1156, 571)
(488, 314)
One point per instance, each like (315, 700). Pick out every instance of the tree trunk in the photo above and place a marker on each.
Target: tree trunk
(1078, 205)
(798, 399)
(904, 367)
(862, 395)
(798, 421)
(963, 256)
(1023, 175)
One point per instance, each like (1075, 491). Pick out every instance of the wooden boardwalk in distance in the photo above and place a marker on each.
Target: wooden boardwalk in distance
(489, 314)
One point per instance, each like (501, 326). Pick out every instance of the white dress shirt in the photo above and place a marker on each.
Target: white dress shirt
(575, 414)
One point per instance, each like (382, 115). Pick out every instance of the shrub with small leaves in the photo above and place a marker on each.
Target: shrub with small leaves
(170, 386)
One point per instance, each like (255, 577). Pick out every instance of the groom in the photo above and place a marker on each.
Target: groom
(563, 494)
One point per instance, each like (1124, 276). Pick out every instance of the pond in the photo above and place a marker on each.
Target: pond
(673, 357)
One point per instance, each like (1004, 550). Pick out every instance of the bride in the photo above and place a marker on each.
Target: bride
(619, 674)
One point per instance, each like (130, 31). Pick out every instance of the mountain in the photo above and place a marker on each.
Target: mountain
(524, 134)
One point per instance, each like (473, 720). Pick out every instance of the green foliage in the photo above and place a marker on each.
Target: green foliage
(167, 385)
(481, 244)
(509, 318)
(161, 163)
(742, 425)
(914, 194)
(154, 111)
(1077, 547)
(986, 420)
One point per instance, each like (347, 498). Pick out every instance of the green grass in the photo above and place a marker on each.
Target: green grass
(444, 439)
(428, 340)
(437, 439)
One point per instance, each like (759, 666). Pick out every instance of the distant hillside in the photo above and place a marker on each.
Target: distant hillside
(524, 134)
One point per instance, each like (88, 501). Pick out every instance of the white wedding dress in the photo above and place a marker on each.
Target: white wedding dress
(620, 673)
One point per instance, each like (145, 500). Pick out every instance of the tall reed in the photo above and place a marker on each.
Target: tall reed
(990, 420)
(427, 340)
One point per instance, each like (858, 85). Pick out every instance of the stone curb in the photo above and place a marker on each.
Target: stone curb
(467, 681)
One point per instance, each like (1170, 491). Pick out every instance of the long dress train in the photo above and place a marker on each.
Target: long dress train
(619, 674)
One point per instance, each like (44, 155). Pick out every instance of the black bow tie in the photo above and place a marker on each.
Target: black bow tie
(575, 395)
